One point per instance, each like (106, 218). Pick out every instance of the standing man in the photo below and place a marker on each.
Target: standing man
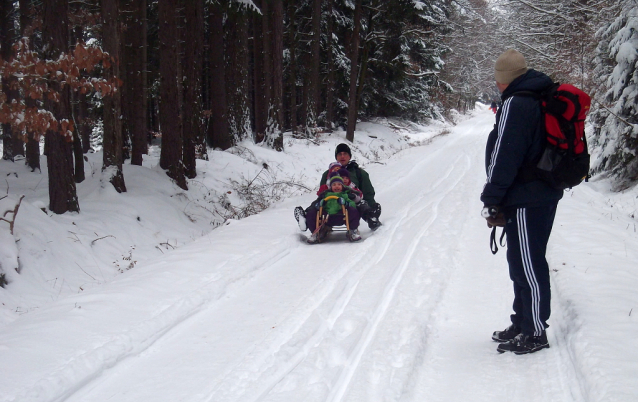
(528, 207)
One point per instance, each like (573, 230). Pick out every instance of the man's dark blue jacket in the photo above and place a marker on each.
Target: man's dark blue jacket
(517, 140)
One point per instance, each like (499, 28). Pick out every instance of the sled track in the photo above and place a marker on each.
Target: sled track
(389, 291)
(350, 276)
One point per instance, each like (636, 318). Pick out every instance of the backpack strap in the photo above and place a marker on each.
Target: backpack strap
(526, 173)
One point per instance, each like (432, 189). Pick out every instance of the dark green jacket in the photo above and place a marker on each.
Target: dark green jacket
(360, 178)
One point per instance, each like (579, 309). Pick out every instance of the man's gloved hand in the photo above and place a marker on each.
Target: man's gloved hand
(352, 196)
(493, 216)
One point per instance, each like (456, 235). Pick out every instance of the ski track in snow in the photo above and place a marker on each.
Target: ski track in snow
(381, 320)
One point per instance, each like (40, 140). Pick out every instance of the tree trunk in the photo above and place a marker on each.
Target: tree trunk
(276, 138)
(83, 119)
(238, 73)
(169, 107)
(33, 139)
(134, 92)
(62, 192)
(365, 58)
(218, 133)
(314, 91)
(258, 77)
(194, 23)
(354, 55)
(292, 68)
(330, 79)
(75, 98)
(266, 32)
(112, 142)
(12, 143)
(126, 53)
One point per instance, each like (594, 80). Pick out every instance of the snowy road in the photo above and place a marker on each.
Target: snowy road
(251, 313)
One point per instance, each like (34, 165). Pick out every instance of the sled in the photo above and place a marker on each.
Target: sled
(323, 229)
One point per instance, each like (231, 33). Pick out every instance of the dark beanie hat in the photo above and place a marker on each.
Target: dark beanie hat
(343, 148)
(343, 172)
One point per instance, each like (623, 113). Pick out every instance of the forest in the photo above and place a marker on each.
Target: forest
(191, 75)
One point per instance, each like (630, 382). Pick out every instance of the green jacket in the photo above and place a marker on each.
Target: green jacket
(360, 178)
(332, 206)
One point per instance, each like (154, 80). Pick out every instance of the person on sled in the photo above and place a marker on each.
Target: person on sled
(369, 209)
(493, 107)
(332, 203)
(334, 167)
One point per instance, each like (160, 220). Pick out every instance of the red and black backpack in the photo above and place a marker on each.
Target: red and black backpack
(565, 161)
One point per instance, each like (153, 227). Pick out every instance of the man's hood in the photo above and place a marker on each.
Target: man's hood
(532, 80)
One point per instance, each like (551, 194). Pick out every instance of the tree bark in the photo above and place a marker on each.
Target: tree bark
(314, 91)
(169, 106)
(33, 140)
(292, 68)
(12, 141)
(259, 108)
(238, 77)
(266, 32)
(276, 114)
(330, 79)
(112, 142)
(62, 193)
(194, 23)
(218, 133)
(135, 91)
(354, 73)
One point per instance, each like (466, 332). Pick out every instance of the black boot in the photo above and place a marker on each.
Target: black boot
(523, 344)
(300, 216)
(507, 334)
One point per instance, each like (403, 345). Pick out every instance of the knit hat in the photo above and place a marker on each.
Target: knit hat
(343, 148)
(333, 165)
(509, 66)
(335, 179)
(343, 172)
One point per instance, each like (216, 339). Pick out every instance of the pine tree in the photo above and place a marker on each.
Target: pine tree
(192, 110)
(112, 144)
(134, 90)
(170, 102)
(218, 133)
(62, 193)
(615, 117)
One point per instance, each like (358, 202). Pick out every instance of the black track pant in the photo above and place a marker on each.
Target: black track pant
(528, 231)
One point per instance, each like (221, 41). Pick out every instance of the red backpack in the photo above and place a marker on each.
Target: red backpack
(565, 160)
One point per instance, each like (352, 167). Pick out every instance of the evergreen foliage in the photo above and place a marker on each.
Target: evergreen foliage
(616, 119)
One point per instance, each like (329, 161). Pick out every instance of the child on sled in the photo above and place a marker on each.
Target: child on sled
(332, 203)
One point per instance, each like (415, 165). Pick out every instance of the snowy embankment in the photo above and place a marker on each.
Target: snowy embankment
(249, 312)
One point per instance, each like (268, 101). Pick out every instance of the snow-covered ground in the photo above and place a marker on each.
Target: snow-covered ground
(138, 299)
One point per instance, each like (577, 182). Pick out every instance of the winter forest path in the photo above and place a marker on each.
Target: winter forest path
(405, 315)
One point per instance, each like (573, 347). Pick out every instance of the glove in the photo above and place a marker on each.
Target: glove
(493, 216)
(498, 220)
(352, 196)
(490, 211)
(342, 201)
